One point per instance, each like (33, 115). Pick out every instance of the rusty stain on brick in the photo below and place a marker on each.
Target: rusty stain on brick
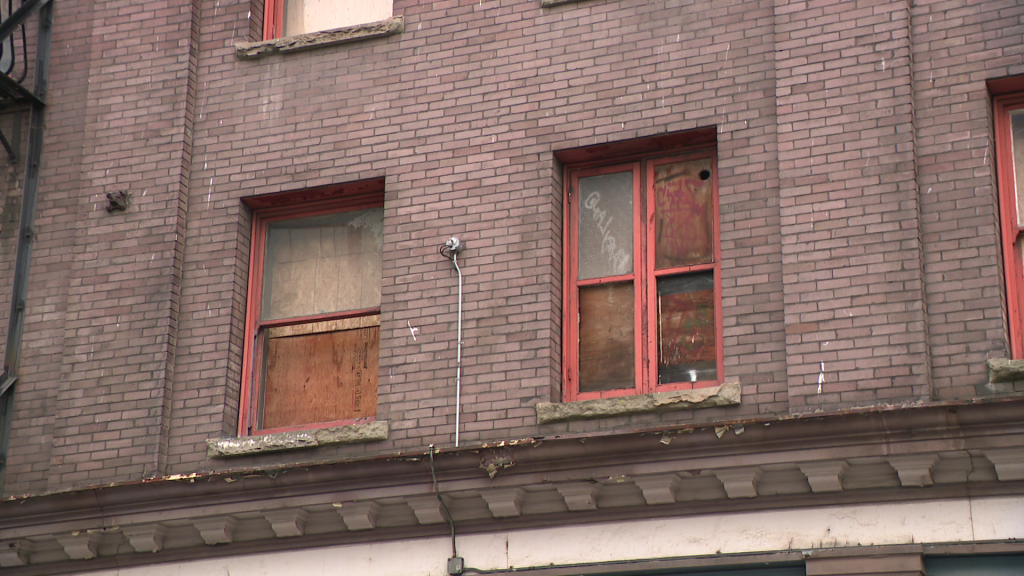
(248, 445)
(727, 394)
(254, 50)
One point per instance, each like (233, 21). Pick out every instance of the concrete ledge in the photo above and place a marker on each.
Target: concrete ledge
(727, 394)
(249, 445)
(254, 50)
(1005, 370)
(548, 3)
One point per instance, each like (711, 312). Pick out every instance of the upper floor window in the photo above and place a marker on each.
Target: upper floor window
(294, 17)
(1009, 115)
(313, 320)
(643, 289)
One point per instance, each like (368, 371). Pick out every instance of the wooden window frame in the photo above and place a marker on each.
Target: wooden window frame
(1010, 228)
(644, 273)
(273, 19)
(266, 211)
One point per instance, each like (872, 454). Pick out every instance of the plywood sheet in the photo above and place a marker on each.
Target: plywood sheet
(321, 377)
(607, 348)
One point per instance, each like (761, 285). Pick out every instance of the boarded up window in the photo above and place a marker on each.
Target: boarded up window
(642, 297)
(316, 334)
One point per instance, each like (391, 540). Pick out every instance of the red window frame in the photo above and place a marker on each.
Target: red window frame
(644, 273)
(273, 19)
(271, 209)
(1010, 228)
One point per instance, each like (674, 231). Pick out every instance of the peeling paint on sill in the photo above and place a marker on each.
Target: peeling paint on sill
(727, 394)
(254, 50)
(249, 445)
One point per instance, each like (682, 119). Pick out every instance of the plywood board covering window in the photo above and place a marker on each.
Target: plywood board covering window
(643, 288)
(314, 318)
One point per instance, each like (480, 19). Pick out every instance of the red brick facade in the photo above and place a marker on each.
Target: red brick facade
(859, 218)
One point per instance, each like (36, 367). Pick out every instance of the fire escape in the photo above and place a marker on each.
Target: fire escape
(16, 97)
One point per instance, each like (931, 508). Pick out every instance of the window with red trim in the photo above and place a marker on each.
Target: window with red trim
(313, 317)
(292, 17)
(1009, 116)
(642, 276)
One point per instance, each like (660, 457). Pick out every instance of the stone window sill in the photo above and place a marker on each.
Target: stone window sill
(313, 40)
(376, 431)
(727, 394)
(549, 3)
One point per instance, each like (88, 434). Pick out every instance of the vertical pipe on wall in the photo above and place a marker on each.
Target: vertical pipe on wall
(450, 250)
(26, 232)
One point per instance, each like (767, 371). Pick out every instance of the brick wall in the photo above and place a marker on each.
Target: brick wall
(858, 216)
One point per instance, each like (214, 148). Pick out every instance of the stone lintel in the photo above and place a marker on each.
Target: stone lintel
(579, 495)
(504, 502)
(145, 538)
(376, 431)
(825, 476)
(288, 522)
(915, 469)
(727, 394)
(254, 50)
(659, 489)
(740, 482)
(217, 530)
(359, 515)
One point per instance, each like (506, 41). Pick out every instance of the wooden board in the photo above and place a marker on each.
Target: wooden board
(607, 359)
(321, 377)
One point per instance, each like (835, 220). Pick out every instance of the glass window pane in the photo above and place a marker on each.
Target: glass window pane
(606, 225)
(686, 328)
(1017, 122)
(606, 337)
(322, 264)
(683, 210)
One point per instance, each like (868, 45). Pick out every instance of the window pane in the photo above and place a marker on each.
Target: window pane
(321, 377)
(683, 213)
(606, 225)
(606, 337)
(322, 264)
(1017, 121)
(686, 328)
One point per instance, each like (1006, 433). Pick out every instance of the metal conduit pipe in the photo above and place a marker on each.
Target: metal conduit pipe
(450, 250)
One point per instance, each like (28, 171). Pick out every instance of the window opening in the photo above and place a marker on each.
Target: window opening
(643, 289)
(314, 316)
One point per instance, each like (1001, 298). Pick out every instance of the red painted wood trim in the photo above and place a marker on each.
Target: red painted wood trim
(273, 19)
(1013, 269)
(652, 287)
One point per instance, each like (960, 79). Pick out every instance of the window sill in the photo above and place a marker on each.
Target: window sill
(550, 3)
(313, 40)
(281, 441)
(1005, 376)
(727, 394)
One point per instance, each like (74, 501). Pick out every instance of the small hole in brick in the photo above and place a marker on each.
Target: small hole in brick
(705, 174)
